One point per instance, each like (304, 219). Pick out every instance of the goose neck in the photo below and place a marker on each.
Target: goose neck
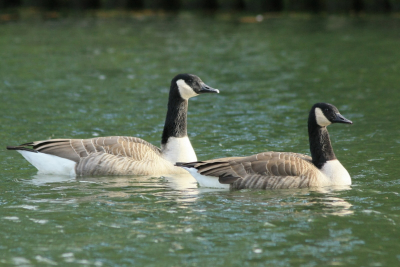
(320, 145)
(176, 120)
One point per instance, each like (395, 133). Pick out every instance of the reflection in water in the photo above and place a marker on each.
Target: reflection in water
(43, 179)
(332, 204)
(176, 182)
(181, 182)
(341, 206)
(183, 190)
(180, 188)
(322, 201)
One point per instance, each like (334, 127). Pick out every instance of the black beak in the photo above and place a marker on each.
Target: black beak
(341, 119)
(207, 89)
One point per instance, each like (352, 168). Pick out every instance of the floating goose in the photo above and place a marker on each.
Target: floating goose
(274, 170)
(122, 155)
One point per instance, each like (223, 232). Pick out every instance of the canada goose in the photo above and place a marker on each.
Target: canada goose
(122, 155)
(274, 170)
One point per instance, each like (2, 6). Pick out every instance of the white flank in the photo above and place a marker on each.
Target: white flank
(321, 119)
(336, 173)
(185, 90)
(178, 150)
(206, 181)
(49, 164)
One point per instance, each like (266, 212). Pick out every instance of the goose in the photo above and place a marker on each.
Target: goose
(278, 170)
(123, 155)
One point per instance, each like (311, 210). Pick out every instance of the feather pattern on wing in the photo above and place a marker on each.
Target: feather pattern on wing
(269, 170)
(114, 155)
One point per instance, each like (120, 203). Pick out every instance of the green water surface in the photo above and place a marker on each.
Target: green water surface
(81, 78)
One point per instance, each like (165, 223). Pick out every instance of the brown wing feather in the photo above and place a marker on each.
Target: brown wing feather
(265, 170)
(122, 156)
(100, 156)
(213, 167)
(57, 147)
(271, 182)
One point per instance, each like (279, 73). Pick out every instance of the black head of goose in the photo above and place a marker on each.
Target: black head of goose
(122, 155)
(276, 170)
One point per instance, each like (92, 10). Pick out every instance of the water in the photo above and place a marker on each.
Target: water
(88, 77)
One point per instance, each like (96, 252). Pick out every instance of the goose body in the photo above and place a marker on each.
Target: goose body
(123, 155)
(278, 170)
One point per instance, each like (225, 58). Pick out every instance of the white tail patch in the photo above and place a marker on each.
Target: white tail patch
(206, 181)
(178, 149)
(49, 164)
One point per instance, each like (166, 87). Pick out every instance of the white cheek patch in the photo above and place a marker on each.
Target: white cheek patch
(321, 119)
(185, 90)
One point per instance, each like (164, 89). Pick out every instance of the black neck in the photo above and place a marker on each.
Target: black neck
(176, 120)
(320, 144)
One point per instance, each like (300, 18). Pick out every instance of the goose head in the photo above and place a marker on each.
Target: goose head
(324, 114)
(189, 85)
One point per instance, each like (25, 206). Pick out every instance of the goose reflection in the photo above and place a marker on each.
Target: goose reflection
(183, 190)
(179, 187)
(333, 205)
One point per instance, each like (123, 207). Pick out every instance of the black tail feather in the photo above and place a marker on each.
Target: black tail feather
(186, 164)
(21, 147)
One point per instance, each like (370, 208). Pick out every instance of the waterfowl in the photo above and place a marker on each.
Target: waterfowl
(278, 170)
(122, 155)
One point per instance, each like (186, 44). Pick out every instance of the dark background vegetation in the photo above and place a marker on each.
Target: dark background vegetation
(315, 6)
